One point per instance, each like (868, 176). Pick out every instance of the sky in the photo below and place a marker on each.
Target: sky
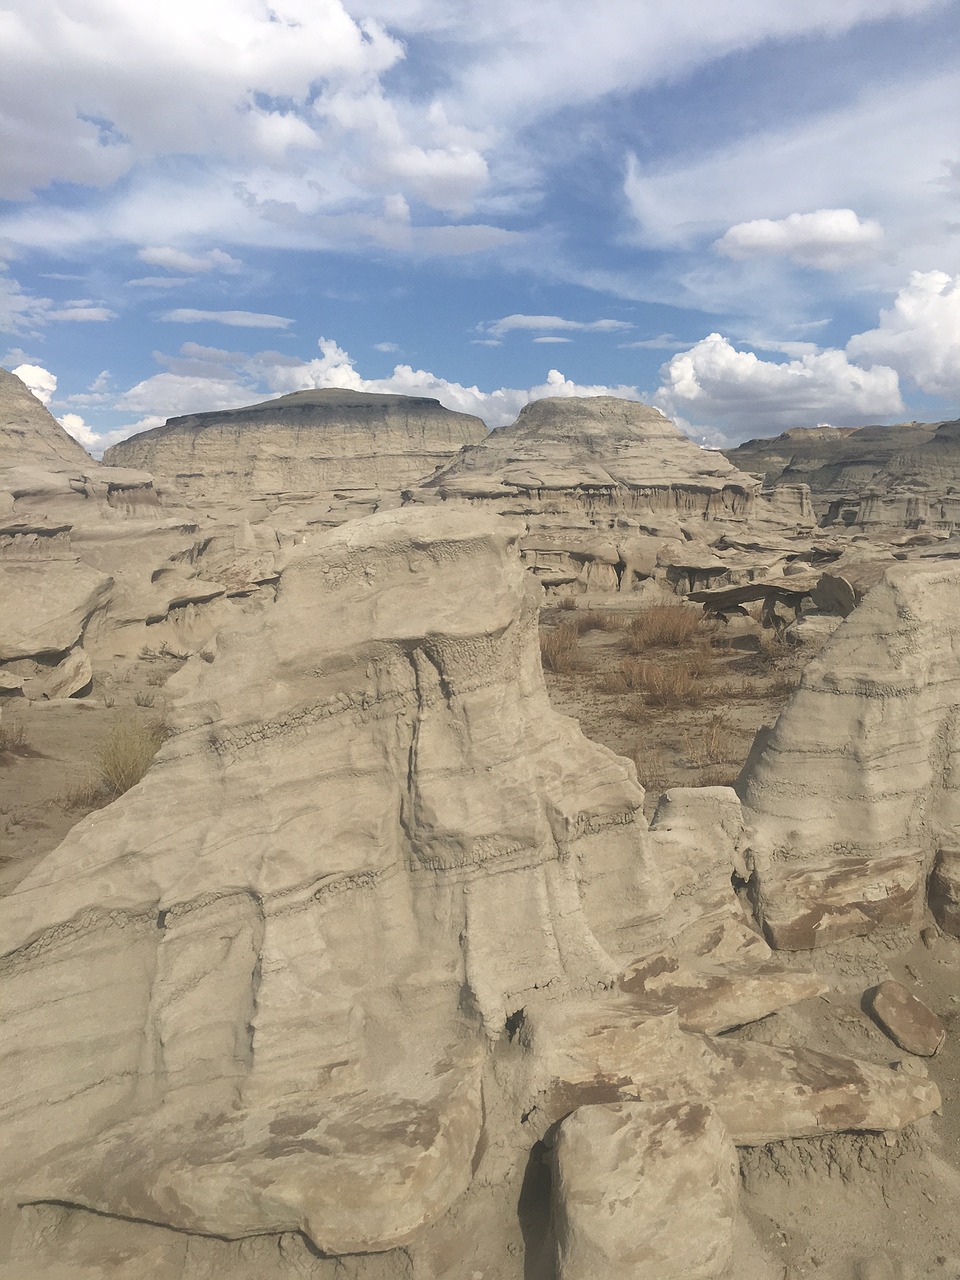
(745, 212)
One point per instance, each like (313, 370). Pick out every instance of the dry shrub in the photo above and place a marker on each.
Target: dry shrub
(651, 768)
(660, 625)
(567, 602)
(560, 648)
(121, 761)
(713, 742)
(723, 776)
(13, 738)
(667, 684)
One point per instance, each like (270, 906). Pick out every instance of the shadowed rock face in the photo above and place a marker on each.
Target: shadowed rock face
(29, 433)
(305, 442)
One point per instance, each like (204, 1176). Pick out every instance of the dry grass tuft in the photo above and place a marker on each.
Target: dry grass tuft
(13, 740)
(662, 625)
(560, 648)
(123, 758)
(667, 684)
(652, 771)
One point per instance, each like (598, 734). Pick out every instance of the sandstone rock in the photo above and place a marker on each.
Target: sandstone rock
(861, 773)
(945, 891)
(642, 1192)
(47, 605)
(68, 678)
(847, 898)
(304, 442)
(633, 1047)
(341, 873)
(906, 1020)
(29, 433)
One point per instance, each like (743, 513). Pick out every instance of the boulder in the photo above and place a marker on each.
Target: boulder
(644, 1192)
(68, 678)
(906, 1020)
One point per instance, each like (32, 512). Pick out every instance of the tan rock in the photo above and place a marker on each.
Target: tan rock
(47, 605)
(644, 1192)
(906, 1020)
(330, 439)
(847, 898)
(29, 433)
(944, 891)
(68, 678)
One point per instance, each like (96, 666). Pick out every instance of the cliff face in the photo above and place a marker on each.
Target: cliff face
(902, 476)
(307, 442)
(612, 493)
(29, 433)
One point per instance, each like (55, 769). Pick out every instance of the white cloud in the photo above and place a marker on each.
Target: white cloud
(920, 335)
(713, 382)
(95, 315)
(159, 282)
(553, 338)
(506, 324)
(239, 319)
(828, 238)
(388, 348)
(40, 381)
(178, 260)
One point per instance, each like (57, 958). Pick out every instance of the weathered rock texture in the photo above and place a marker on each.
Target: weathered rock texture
(901, 476)
(29, 433)
(644, 1193)
(353, 944)
(850, 797)
(306, 442)
(612, 493)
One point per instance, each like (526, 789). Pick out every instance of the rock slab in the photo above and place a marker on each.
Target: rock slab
(906, 1020)
(644, 1192)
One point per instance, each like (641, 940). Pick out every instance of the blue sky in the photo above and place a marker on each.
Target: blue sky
(745, 212)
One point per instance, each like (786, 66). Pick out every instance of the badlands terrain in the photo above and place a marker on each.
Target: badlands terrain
(428, 854)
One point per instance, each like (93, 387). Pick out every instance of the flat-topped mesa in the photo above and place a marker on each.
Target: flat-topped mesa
(29, 434)
(613, 494)
(306, 442)
(598, 454)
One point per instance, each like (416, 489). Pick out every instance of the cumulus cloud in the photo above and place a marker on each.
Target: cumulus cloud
(540, 324)
(178, 260)
(713, 382)
(919, 335)
(40, 381)
(828, 238)
(239, 319)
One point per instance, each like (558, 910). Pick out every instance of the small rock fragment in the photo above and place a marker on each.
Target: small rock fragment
(905, 1019)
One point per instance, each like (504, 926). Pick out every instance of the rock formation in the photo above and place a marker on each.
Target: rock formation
(306, 443)
(375, 921)
(905, 476)
(856, 790)
(30, 435)
(612, 493)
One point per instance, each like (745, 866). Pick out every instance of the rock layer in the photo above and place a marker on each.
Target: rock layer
(306, 442)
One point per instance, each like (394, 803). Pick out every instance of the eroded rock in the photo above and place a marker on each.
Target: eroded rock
(644, 1192)
(906, 1020)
